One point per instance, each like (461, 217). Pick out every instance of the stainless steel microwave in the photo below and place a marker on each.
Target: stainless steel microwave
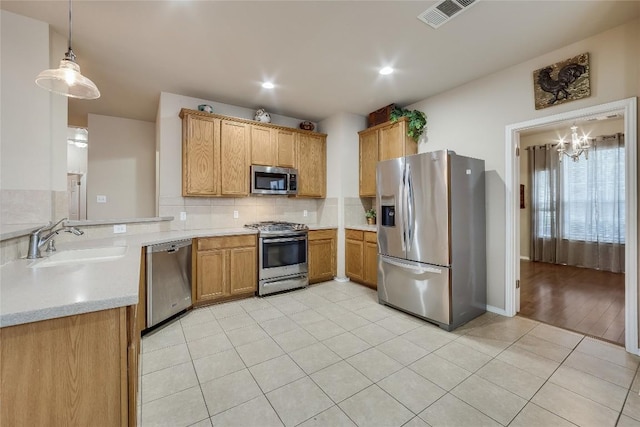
(273, 180)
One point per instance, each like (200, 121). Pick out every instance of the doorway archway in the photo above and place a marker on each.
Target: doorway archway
(512, 197)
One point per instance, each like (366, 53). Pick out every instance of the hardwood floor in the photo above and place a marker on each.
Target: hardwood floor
(579, 299)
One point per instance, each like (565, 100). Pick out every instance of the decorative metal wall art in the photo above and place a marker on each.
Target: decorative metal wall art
(562, 82)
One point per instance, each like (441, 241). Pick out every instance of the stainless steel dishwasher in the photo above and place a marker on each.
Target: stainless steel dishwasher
(168, 280)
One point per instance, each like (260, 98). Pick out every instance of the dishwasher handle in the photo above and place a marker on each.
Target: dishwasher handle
(170, 247)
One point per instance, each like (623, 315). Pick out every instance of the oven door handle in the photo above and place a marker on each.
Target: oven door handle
(283, 240)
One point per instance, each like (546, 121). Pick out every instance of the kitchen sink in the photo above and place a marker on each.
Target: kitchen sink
(81, 256)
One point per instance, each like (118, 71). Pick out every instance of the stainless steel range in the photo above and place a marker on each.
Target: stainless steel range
(282, 256)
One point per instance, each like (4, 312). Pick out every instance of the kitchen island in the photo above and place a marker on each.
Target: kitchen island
(70, 333)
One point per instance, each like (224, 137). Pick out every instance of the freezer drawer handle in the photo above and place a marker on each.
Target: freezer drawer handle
(413, 267)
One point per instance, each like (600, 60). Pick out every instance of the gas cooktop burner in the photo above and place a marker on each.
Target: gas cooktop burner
(271, 226)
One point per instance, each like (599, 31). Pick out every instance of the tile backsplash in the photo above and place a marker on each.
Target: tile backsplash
(26, 206)
(221, 212)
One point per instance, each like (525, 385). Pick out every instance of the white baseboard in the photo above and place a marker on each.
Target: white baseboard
(525, 258)
(496, 310)
(341, 279)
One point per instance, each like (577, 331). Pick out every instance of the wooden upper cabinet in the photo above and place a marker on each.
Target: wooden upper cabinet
(273, 147)
(200, 156)
(391, 141)
(385, 141)
(285, 148)
(234, 158)
(217, 152)
(312, 165)
(368, 162)
(262, 146)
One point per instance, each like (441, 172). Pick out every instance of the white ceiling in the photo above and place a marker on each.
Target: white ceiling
(323, 56)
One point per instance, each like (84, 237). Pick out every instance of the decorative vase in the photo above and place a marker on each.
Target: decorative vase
(371, 221)
(307, 125)
(262, 116)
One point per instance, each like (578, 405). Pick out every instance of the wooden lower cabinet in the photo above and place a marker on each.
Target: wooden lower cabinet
(77, 370)
(354, 252)
(370, 259)
(361, 253)
(322, 255)
(225, 267)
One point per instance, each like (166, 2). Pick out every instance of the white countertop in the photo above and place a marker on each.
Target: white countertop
(322, 227)
(10, 231)
(33, 294)
(364, 227)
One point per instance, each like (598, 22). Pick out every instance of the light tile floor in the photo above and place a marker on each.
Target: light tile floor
(330, 355)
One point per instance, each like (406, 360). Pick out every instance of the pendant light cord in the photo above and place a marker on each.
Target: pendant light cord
(70, 56)
(69, 24)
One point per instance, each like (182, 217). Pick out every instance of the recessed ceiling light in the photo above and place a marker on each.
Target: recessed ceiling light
(386, 70)
(268, 85)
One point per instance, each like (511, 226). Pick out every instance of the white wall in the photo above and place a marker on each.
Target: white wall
(33, 131)
(542, 137)
(121, 164)
(471, 120)
(342, 175)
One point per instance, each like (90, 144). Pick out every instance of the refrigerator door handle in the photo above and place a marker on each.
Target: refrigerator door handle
(410, 208)
(401, 207)
(405, 208)
(416, 268)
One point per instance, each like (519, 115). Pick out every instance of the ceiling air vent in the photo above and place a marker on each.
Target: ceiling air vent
(443, 11)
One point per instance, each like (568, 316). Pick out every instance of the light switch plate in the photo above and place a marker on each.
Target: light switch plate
(183, 216)
(120, 228)
(305, 213)
(101, 199)
(236, 214)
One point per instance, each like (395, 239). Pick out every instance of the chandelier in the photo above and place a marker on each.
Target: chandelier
(574, 148)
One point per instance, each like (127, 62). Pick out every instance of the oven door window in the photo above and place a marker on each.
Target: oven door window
(283, 252)
(270, 181)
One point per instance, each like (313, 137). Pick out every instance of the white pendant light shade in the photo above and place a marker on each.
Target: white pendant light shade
(68, 81)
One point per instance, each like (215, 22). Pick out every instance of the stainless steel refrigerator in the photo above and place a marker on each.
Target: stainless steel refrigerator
(431, 236)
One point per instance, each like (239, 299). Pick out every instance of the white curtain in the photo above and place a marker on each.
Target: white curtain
(578, 207)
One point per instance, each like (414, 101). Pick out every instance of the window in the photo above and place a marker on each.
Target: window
(592, 204)
(543, 203)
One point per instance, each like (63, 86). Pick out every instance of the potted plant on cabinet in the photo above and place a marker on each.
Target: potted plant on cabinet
(371, 216)
(416, 124)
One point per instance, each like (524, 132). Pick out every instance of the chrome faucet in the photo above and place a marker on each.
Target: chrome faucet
(36, 241)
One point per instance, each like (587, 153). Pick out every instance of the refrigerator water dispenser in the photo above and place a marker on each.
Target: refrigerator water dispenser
(388, 216)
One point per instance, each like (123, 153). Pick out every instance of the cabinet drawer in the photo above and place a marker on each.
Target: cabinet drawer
(354, 234)
(370, 236)
(322, 234)
(209, 243)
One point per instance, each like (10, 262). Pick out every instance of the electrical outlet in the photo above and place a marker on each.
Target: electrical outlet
(183, 216)
(101, 199)
(236, 215)
(305, 213)
(120, 228)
